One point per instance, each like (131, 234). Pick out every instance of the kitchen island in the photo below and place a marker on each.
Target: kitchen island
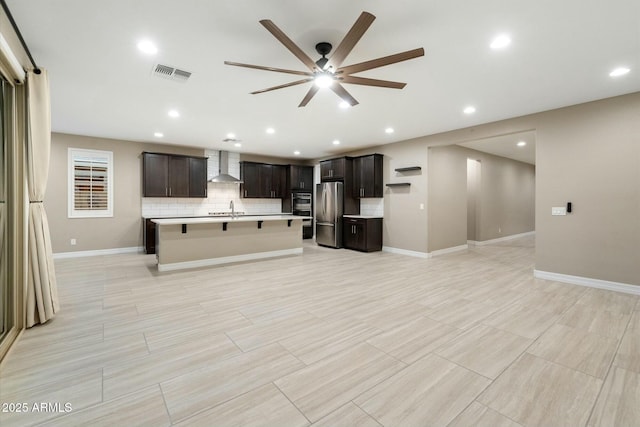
(198, 242)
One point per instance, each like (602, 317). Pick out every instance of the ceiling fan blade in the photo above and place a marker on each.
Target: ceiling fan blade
(277, 70)
(297, 82)
(288, 43)
(361, 25)
(312, 91)
(381, 62)
(342, 93)
(371, 82)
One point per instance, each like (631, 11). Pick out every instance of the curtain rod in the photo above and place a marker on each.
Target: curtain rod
(36, 69)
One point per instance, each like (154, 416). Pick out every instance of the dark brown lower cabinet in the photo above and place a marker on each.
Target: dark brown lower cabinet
(149, 236)
(362, 234)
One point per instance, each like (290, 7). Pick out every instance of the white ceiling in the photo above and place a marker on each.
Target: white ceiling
(101, 85)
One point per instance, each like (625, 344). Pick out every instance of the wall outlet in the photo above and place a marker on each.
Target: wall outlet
(421, 206)
(499, 230)
(73, 242)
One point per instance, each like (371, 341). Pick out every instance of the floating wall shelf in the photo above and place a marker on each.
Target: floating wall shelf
(410, 168)
(398, 184)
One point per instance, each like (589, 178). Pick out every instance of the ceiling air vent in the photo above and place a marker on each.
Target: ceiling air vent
(170, 73)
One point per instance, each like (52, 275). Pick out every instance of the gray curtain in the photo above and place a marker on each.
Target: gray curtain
(42, 291)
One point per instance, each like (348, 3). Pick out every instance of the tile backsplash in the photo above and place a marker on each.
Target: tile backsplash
(372, 206)
(219, 196)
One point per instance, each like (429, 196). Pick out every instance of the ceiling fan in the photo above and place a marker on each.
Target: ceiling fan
(329, 72)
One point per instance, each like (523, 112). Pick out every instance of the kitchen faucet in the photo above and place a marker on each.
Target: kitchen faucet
(233, 214)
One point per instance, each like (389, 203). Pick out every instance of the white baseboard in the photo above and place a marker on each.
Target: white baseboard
(448, 250)
(227, 259)
(500, 239)
(80, 254)
(588, 282)
(405, 252)
(425, 255)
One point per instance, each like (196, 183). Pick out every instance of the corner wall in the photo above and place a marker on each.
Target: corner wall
(124, 229)
(447, 181)
(590, 155)
(504, 199)
(405, 208)
(505, 204)
(587, 154)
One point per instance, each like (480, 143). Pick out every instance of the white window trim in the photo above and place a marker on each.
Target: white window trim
(73, 213)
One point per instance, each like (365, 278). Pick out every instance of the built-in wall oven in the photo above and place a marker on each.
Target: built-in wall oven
(302, 206)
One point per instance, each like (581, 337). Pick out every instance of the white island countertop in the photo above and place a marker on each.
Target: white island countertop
(222, 219)
(217, 214)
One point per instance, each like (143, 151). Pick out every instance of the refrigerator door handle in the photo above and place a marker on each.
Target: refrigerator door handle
(324, 201)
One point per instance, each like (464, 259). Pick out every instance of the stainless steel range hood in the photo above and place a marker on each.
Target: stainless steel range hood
(223, 170)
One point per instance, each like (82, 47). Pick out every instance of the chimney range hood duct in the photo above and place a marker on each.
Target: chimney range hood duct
(223, 170)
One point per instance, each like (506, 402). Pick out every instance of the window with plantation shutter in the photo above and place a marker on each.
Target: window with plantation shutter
(90, 183)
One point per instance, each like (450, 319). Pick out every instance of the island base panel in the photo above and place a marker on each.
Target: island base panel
(209, 244)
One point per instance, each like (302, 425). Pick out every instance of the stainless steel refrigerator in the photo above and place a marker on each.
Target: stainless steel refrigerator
(329, 200)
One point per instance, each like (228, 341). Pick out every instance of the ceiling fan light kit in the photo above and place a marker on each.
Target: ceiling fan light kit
(328, 72)
(323, 79)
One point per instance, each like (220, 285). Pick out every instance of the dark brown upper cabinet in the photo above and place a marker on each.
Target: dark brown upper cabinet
(335, 169)
(250, 174)
(278, 182)
(178, 176)
(155, 175)
(341, 169)
(169, 175)
(301, 177)
(197, 177)
(367, 176)
(262, 180)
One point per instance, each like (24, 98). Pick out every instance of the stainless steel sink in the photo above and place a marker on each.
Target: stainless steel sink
(226, 214)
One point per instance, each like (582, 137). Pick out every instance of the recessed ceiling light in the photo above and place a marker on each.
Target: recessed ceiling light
(500, 42)
(521, 144)
(336, 142)
(469, 110)
(297, 153)
(237, 144)
(620, 71)
(231, 135)
(147, 47)
(270, 131)
(158, 134)
(389, 130)
(344, 105)
(174, 113)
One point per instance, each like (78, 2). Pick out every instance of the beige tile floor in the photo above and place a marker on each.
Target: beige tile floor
(329, 338)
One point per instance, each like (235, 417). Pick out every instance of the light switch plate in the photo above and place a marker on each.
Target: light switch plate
(558, 210)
